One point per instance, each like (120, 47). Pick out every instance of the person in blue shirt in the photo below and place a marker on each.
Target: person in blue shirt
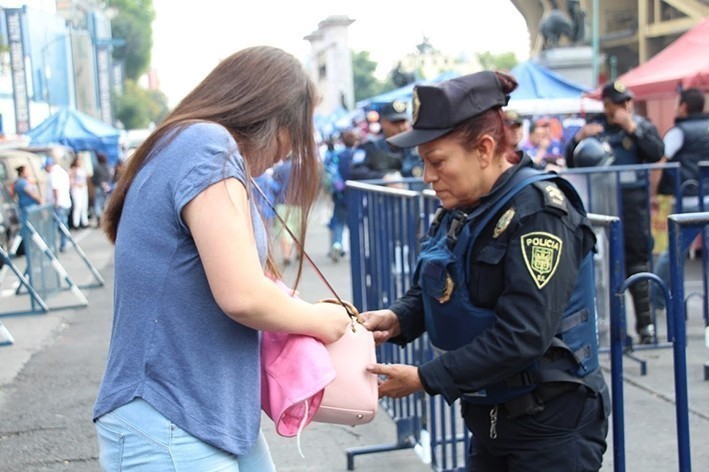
(181, 389)
(545, 151)
(337, 164)
(25, 191)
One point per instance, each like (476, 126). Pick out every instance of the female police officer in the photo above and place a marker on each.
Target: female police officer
(503, 287)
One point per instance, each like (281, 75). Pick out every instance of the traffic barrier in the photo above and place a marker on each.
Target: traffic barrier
(44, 275)
(382, 221)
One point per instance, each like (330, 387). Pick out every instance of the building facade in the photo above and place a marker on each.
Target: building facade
(629, 31)
(330, 64)
(50, 59)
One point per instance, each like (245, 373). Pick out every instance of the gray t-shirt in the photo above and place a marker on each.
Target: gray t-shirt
(171, 344)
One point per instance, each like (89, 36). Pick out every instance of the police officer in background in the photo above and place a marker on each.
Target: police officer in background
(504, 288)
(633, 140)
(687, 143)
(376, 158)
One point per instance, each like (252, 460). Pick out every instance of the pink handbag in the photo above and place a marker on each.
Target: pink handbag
(352, 398)
(302, 380)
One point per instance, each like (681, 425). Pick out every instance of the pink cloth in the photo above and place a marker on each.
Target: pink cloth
(295, 369)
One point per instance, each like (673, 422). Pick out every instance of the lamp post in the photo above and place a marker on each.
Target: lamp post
(595, 42)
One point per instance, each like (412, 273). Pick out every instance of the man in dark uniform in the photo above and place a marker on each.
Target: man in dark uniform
(504, 289)
(633, 140)
(687, 143)
(376, 158)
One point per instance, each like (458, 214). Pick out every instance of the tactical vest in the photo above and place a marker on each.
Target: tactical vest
(625, 151)
(695, 147)
(452, 320)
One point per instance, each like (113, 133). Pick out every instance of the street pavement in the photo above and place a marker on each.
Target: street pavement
(49, 379)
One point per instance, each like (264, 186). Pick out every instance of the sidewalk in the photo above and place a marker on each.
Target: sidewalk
(49, 378)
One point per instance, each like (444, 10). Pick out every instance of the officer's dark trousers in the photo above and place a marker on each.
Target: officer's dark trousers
(637, 245)
(569, 435)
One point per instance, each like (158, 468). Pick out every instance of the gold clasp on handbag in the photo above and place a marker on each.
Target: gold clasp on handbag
(351, 310)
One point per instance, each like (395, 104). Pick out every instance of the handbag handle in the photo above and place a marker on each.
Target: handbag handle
(352, 312)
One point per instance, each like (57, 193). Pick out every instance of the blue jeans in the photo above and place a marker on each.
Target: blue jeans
(63, 215)
(136, 437)
(99, 201)
(338, 220)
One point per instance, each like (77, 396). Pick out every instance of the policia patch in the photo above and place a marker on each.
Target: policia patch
(541, 252)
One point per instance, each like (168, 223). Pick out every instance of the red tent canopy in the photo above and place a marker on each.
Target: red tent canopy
(684, 62)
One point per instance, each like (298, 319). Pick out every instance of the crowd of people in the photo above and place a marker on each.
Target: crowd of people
(67, 190)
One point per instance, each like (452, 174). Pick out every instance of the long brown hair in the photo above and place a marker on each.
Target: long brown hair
(255, 94)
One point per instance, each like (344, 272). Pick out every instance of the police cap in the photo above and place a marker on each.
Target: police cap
(394, 111)
(616, 92)
(439, 108)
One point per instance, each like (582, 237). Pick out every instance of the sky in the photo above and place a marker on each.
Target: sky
(190, 38)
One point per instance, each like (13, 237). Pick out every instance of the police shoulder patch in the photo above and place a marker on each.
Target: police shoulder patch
(541, 252)
(553, 197)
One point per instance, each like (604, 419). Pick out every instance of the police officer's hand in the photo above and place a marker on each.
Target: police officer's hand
(588, 130)
(624, 119)
(382, 323)
(397, 380)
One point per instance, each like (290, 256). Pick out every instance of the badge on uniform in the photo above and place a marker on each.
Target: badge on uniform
(627, 143)
(541, 252)
(503, 223)
(416, 106)
(447, 290)
(398, 106)
(556, 196)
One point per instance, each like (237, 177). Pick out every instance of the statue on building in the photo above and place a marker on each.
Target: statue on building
(400, 77)
(556, 24)
(578, 18)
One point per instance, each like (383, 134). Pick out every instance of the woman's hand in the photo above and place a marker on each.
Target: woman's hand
(334, 321)
(400, 380)
(384, 324)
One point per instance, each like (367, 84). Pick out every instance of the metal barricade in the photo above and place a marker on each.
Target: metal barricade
(44, 275)
(682, 231)
(384, 223)
(601, 190)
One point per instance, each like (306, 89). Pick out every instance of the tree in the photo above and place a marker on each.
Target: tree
(504, 61)
(365, 83)
(137, 108)
(133, 24)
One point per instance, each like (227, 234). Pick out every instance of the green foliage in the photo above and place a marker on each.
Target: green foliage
(503, 62)
(133, 24)
(138, 107)
(365, 83)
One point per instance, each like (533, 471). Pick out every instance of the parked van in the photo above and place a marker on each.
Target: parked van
(11, 159)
